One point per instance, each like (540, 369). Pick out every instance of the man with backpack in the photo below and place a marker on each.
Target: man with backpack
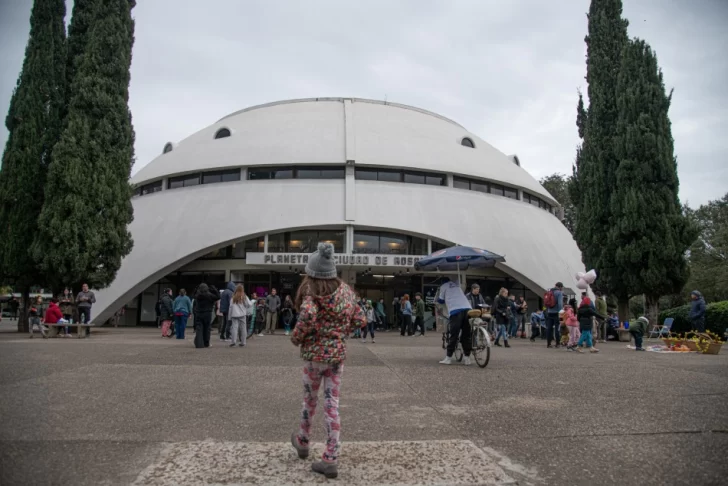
(553, 300)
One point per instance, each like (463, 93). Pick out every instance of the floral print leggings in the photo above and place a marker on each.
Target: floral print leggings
(314, 373)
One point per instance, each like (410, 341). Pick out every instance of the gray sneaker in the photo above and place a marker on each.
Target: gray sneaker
(328, 469)
(302, 451)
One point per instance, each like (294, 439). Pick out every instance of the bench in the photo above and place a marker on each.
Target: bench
(54, 328)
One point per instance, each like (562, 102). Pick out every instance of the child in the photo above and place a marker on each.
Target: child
(637, 330)
(327, 311)
(238, 316)
(371, 322)
(585, 314)
(537, 318)
(572, 324)
(36, 311)
(563, 329)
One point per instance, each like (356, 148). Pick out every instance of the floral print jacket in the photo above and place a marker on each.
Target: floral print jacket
(323, 324)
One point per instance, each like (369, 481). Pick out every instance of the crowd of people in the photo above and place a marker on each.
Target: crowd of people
(61, 309)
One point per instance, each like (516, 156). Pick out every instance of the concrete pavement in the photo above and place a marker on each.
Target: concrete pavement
(128, 407)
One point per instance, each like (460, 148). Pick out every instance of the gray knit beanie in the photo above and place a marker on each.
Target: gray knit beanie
(321, 262)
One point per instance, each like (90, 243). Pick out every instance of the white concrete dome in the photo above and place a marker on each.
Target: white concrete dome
(505, 211)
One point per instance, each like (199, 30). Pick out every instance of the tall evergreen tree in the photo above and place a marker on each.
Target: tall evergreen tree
(81, 19)
(649, 230)
(83, 233)
(33, 121)
(596, 163)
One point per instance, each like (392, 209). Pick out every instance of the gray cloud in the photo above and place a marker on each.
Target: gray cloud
(508, 71)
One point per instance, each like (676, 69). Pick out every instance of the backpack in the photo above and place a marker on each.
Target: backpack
(549, 299)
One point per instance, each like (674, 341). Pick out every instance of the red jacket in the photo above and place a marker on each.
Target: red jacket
(53, 314)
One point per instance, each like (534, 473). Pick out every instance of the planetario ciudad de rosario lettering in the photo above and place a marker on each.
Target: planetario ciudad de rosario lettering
(248, 198)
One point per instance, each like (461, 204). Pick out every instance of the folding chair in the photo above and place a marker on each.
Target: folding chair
(662, 330)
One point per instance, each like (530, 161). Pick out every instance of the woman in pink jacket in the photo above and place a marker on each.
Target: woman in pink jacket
(327, 312)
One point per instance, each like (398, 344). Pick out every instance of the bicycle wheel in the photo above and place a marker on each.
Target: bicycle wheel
(481, 347)
(459, 352)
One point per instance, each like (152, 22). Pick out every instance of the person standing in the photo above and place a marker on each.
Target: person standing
(381, 314)
(406, 325)
(182, 311)
(166, 312)
(205, 299)
(287, 314)
(84, 300)
(513, 328)
(554, 302)
(419, 314)
(272, 304)
(238, 314)
(14, 305)
(697, 311)
(396, 313)
(475, 297)
(327, 313)
(586, 314)
(453, 297)
(251, 314)
(66, 304)
(371, 321)
(36, 312)
(501, 309)
(522, 311)
(601, 307)
(225, 297)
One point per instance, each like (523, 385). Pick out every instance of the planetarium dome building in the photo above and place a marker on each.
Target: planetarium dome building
(249, 197)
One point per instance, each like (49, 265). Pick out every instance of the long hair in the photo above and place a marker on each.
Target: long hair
(239, 295)
(316, 287)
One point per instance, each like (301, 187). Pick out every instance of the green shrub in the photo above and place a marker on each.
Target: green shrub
(716, 317)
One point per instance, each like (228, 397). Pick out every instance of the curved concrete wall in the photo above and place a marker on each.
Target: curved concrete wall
(172, 228)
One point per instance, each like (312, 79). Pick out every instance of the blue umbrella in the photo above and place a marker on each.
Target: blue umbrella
(458, 258)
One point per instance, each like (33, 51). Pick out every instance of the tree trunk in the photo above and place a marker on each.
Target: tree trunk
(653, 310)
(23, 311)
(623, 308)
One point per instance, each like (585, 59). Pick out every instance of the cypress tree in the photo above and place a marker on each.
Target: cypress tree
(33, 122)
(596, 163)
(649, 231)
(83, 230)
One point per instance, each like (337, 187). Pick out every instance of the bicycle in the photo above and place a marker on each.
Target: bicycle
(480, 339)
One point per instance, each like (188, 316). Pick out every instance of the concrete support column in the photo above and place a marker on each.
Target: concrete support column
(349, 239)
(350, 159)
(243, 173)
(450, 180)
(265, 243)
(429, 246)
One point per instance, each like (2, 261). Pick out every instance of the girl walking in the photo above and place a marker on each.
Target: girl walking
(371, 322)
(327, 311)
(238, 316)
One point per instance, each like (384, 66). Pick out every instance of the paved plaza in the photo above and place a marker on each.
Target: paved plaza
(128, 407)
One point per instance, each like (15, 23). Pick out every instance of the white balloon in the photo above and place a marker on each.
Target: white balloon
(579, 275)
(590, 276)
(582, 284)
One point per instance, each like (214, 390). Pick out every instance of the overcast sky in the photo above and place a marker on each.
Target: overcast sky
(506, 70)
